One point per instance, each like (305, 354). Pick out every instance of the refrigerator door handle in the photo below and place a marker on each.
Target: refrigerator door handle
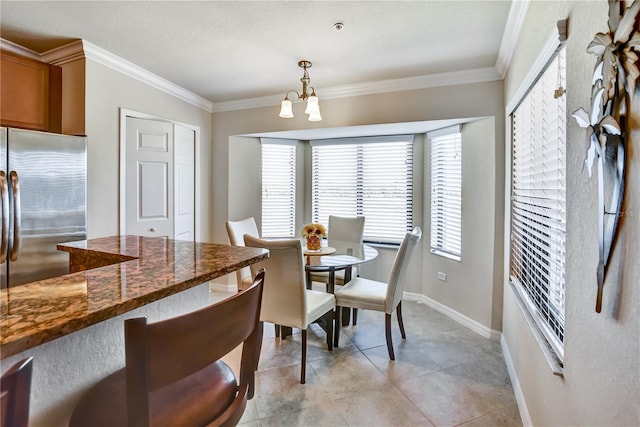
(17, 217)
(4, 196)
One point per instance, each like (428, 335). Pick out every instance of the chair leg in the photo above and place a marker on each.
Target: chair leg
(355, 316)
(303, 369)
(336, 330)
(387, 325)
(400, 322)
(328, 319)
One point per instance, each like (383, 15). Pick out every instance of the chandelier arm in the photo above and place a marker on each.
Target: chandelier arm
(298, 97)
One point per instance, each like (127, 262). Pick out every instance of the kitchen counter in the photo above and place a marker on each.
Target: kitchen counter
(110, 276)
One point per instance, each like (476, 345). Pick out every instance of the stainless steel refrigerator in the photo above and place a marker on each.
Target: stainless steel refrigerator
(43, 181)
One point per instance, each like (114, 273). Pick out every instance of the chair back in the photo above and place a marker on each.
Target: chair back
(398, 278)
(345, 234)
(284, 299)
(164, 352)
(15, 391)
(236, 231)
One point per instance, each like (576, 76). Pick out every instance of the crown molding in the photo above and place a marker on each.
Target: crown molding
(478, 75)
(83, 49)
(64, 54)
(130, 69)
(515, 21)
(18, 50)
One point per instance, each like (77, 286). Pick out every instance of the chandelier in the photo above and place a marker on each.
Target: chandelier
(313, 109)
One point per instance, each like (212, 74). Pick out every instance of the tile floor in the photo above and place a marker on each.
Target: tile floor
(444, 375)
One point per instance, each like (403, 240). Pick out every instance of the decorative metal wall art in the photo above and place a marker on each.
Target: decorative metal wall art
(614, 83)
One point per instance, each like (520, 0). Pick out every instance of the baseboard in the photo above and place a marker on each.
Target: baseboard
(454, 315)
(515, 384)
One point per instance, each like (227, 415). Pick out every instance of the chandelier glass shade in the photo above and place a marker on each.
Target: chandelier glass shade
(307, 94)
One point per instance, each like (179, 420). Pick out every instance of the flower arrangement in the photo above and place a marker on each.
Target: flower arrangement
(314, 233)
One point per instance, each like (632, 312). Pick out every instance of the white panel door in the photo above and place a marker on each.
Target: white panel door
(149, 178)
(184, 183)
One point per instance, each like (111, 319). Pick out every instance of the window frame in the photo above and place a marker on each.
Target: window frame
(553, 353)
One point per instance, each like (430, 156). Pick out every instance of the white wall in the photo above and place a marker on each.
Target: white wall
(107, 91)
(483, 182)
(601, 383)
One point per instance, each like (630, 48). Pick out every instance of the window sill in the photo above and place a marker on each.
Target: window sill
(549, 354)
(446, 255)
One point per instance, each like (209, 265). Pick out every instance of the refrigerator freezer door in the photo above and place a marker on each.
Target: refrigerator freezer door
(4, 199)
(50, 172)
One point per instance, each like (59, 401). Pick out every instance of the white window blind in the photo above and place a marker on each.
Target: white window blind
(446, 192)
(278, 188)
(370, 177)
(538, 214)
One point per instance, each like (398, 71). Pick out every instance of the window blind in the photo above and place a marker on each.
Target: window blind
(278, 188)
(446, 192)
(370, 177)
(538, 212)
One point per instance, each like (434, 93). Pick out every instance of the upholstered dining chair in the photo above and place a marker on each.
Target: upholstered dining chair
(379, 296)
(15, 392)
(174, 375)
(346, 235)
(236, 231)
(286, 300)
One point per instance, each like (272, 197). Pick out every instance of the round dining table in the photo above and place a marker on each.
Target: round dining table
(325, 260)
(330, 262)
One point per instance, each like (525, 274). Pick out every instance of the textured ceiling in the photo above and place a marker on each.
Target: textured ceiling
(233, 50)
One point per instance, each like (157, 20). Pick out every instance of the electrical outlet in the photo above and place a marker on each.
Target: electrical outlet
(442, 276)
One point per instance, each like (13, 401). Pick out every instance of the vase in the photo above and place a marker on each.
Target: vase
(313, 243)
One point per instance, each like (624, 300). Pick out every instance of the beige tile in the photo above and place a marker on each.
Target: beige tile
(446, 399)
(348, 373)
(251, 414)
(278, 390)
(443, 374)
(507, 417)
(411, 361)
(380, 407)
(321, 415)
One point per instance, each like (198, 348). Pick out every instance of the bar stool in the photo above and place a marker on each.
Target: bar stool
(174, 375)
(15, 390)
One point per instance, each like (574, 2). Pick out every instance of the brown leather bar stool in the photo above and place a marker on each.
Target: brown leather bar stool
(174, 375)
(15, 390)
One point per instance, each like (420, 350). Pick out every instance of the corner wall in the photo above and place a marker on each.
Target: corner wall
(601, 382)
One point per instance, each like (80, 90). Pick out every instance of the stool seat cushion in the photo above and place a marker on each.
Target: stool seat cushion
(194, 400)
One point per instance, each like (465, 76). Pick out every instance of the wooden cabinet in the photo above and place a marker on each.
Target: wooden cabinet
(31, 93)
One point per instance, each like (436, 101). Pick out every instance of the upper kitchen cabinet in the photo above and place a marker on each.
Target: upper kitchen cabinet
(31, 93)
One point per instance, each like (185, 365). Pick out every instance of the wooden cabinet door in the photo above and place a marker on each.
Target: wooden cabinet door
(31, 93)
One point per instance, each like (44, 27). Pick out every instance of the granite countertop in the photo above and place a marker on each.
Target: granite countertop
(141, 270)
